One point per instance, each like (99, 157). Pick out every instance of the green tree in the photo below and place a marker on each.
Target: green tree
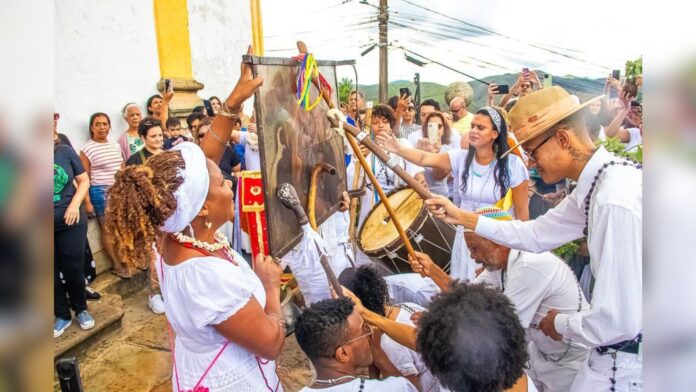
(345, 86)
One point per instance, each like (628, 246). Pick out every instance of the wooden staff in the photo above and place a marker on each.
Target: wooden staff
(312, 196)
(353, 134)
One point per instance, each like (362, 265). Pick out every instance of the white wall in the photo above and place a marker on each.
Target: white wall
(220, 33)
(106, 56)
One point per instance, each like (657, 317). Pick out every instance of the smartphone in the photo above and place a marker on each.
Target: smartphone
(167, 85)
(503, 89)
(208, 108)
(433, 134)
(616, 74)
(405, 91)
(548, 80)
(369, 104)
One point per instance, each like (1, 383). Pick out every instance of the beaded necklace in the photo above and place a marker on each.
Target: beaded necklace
(623, 162)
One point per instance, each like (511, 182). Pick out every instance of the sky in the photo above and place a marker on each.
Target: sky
(479, 38)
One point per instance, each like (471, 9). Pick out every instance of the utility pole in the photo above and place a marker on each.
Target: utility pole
(417, 95)
(383, 17)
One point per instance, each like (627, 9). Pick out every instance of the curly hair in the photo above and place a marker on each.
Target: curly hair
(471, 340)
(140, 201)
(385, 112)
(322, 327)
(367, 285)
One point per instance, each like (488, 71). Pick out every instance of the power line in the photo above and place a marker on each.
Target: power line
(488, 30)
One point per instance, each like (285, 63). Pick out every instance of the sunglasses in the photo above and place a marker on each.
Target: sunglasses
(530, 153)
(367, 331)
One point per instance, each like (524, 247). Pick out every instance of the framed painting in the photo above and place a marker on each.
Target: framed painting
(291, 142)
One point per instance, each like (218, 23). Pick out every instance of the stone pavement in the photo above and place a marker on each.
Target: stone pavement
(136, 357)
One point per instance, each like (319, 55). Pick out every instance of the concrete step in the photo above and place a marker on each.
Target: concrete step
(107, 313)
(108, 283)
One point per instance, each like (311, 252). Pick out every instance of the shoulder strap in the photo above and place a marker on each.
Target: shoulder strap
(142, 155)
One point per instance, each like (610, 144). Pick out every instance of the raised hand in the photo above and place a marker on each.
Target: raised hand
(245, 87)
(388, 141)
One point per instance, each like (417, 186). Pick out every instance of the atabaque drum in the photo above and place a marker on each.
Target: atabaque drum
(380, 241)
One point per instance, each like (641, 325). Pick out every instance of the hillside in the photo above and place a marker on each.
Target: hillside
(582, 87)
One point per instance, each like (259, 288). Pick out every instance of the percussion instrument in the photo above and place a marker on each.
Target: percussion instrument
(380, 241)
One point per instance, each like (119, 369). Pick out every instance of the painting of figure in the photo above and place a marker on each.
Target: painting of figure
(291, 142)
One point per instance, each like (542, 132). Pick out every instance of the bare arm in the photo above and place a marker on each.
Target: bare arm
(88, 166)
(222, 126)
(520, 200)
(259, 330)
(414, 155)
(614, 129)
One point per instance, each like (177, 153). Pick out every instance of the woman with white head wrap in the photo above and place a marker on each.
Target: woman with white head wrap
(226, 317)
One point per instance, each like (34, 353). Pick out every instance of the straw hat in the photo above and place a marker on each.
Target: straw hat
(537, 112)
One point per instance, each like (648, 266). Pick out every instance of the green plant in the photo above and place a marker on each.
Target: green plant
(635, 67)
(568, 251)
(615, 146)
(345, 86)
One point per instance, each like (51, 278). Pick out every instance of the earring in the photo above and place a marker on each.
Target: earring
(207, 223)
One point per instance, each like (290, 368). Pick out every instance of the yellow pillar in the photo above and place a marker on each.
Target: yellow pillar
(256, 27)
(174, 51)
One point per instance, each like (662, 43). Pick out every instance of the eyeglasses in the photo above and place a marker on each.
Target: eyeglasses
(365, 327)
(531, 152)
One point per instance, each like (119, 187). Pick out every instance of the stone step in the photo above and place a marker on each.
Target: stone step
(107, 313)
(108, 283)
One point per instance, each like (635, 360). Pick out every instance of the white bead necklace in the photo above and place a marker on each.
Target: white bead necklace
(221, 243)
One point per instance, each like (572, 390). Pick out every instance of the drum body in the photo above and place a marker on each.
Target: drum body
(380, 241)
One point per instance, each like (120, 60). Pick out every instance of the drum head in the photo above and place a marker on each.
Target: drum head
(378, 231)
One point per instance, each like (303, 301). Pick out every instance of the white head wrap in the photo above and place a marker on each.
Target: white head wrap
(192, 192)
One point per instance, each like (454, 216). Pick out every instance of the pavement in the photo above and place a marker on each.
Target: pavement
(136, 356)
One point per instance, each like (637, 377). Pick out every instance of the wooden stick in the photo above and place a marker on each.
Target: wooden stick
(312, 197)
(385, 199)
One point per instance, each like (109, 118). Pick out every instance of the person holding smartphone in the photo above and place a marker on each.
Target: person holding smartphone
(482, 176)
(435, 137)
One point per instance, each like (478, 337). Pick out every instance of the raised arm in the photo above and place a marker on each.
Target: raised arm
(214, 142)
(614, 129)
(413, 155)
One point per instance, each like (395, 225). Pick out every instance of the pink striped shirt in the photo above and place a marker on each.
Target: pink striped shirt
(105, 160)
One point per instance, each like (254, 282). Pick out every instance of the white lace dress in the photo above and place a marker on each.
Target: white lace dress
(202, 292)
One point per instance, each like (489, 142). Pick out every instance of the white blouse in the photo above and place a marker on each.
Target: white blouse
(198, 294)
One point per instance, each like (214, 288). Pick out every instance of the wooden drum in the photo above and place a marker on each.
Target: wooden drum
(379, 239)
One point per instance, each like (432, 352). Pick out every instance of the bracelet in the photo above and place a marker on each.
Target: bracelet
(226, 112)
(216, 137)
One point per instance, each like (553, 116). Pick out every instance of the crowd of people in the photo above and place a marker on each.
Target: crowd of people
(509, 314)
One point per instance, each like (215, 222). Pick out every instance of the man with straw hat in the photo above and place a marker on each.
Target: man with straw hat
(606, 207)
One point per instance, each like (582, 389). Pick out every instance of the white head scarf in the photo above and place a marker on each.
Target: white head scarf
(192, 192)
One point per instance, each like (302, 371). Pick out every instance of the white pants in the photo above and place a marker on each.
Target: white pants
(555, 377)
(594, 375)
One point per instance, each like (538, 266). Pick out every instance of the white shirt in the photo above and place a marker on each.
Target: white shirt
(410, 287)
(198, 294)
(536, 283)
(615, 245)
(252, 159)
(482, 189)
(635, 140)
(389, 384)
(406, 360)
